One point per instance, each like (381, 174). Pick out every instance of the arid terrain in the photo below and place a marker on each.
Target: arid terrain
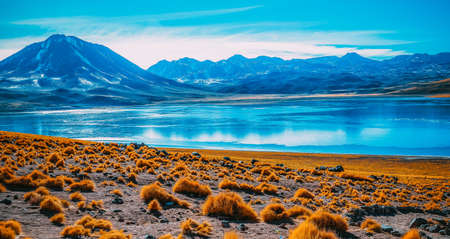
(56, 187)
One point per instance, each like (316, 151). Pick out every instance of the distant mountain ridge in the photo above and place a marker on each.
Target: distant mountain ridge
(68, 69)
(330, 74)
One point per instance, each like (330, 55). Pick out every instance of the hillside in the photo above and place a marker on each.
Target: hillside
(66, 70)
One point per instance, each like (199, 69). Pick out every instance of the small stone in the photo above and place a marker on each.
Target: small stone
(433, 228)
(416, 222)
(149, 237)
(386, 228)
(6, 201)
(442, 232)
(242, 227)
(225, 224)
(117, 210)
(283, 225)
(169, 204)
(143, 209)
(117, 200)
(226, 158)
(396, 233)
(16, 197)
(163, 220)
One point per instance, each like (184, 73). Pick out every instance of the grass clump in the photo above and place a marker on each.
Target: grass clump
(92, 223)
(274, 213)
(191, 227)
(298, 211)
(231, 235)
(85, 185)
(327, 221)
(12, 225)
(114, 234)
(371, 226)
(76, 197)
(412, 234)
(303, 193)
(155, 191)
(154, 206)
(75, 231)
(58, 219)
(51, 204)
(229, 204)
(190, 187)
(308, 230)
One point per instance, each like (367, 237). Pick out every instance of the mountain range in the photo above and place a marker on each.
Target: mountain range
(65, 70)
(330, 74)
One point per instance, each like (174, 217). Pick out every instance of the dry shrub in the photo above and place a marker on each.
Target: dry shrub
(273, 213)
(54, 183)
(115, 234)
(228, 184)
(267, 188)
(54, 158)
(191, 227)
(308, 230)
(75, 231)
(231, 235)
(190, 187)
(155, 191)
(154, 206)
(69, 151)
(92, 223)
(412, 234)
(85, 185)
(355, 177)
(117, 192)
(51, 204)
(96, 204)
(303, 193)
(12, 225)
(7, 233)
(229, 204)
(297, 211)
(21, 183)
(327, 221)
(77, 196)
(371, 225)
(58, 219)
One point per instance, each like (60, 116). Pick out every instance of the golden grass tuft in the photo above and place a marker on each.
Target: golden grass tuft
(6, 233)
(303, 193)
(114, 234)
(116, 192)
(75, 231)
(273, 213)
(58, 219)
(76, 197)
(12, 225)
(92, 223)
(51, 204)
(85, 185)
(229, 204)
(190, 187)
(298, 211)
(412, 234)
(191, 227)
(308, 230)
(231, 235)
(327, 221)
(370, 225)
(154, 206)
(155, 191)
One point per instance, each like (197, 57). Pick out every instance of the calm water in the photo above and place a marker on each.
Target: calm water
(406, 126)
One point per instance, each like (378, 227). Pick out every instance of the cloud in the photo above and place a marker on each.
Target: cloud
(145, 40)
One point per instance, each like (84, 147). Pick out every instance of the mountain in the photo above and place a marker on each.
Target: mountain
(330, 74)
(66, 69)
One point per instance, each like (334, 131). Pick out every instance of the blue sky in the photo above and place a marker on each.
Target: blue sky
(148, 31)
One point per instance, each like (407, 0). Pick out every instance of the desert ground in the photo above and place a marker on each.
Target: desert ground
(54, 187)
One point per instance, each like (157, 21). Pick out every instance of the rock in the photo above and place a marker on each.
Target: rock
(196, 154)
(373, 177)
(321, 168)
(254, 161)
(117, 200)
(409, 209)
(416, 222)
(280, 165)
(442, 232)
(386, 228)
(6, 201)
(169, 204)
(225, 224)
(16, 197)
(117, 210)
(283, 225)
(338, 169)
(434, 228)
(149, 237)
(143, 209)
(226, 158)
(163, 220)
(424, 235)
(242, 227)
(396, 233)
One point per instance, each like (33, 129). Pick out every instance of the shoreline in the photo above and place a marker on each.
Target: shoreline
(404, 167)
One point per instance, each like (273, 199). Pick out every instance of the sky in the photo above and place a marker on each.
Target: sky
(148, 31)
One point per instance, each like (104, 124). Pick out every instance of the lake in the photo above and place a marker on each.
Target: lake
(398, 126)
